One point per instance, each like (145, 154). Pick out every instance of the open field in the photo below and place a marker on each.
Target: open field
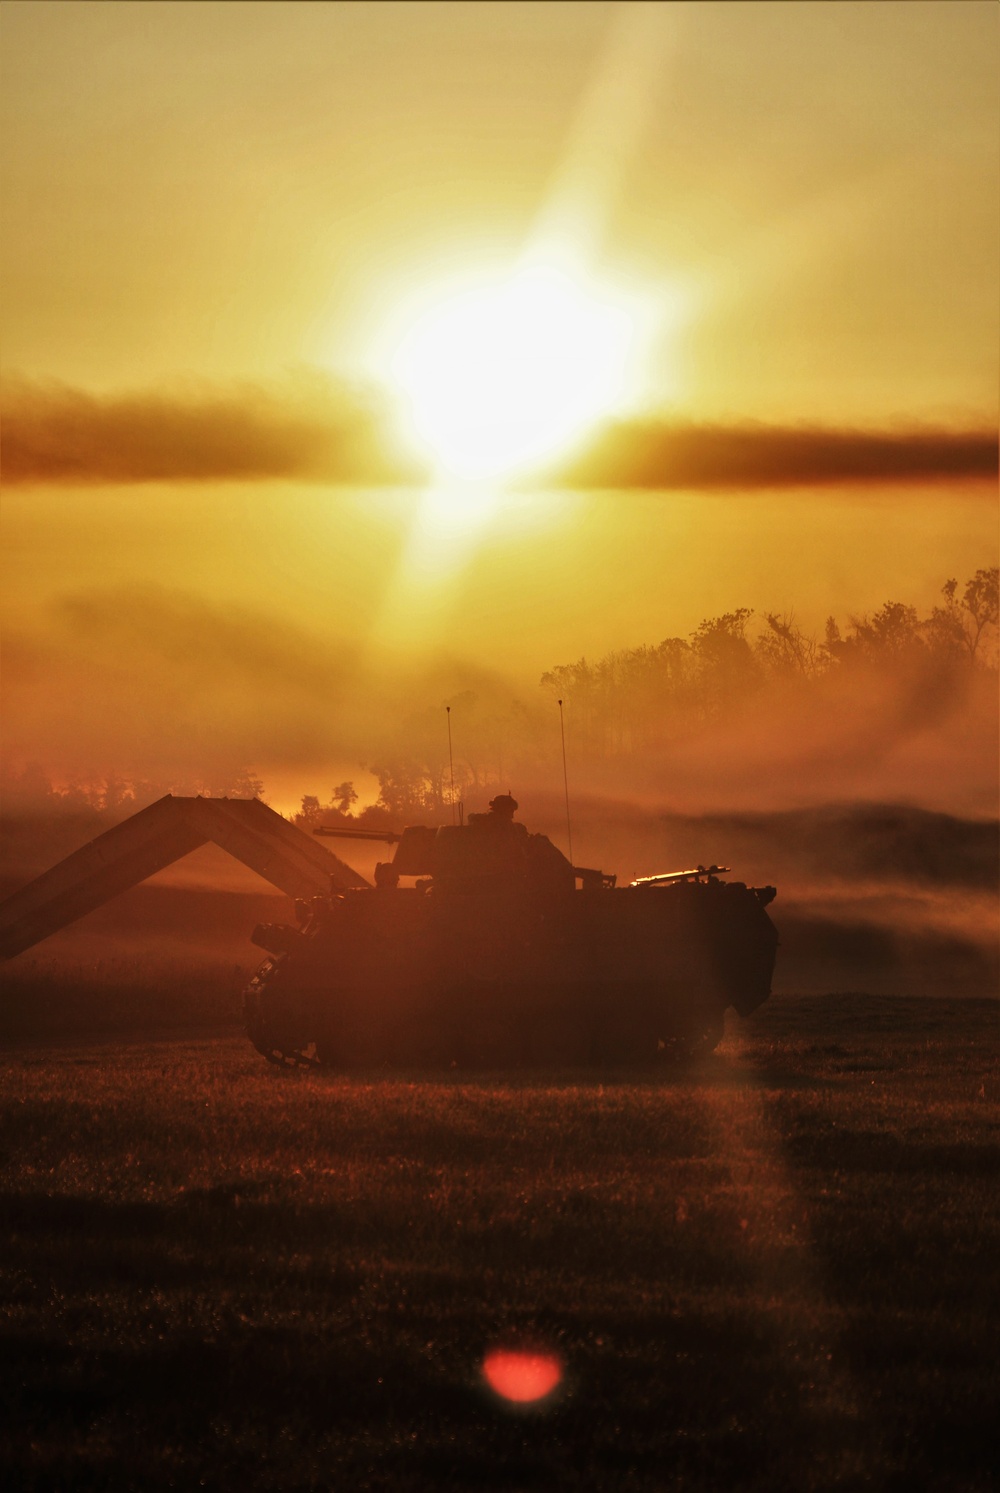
(777, 1272)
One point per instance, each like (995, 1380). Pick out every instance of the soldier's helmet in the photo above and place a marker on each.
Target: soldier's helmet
(503, 806)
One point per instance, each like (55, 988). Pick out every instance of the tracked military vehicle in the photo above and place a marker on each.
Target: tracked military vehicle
(479, 944)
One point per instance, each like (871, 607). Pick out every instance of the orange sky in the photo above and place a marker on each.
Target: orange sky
(226, 205)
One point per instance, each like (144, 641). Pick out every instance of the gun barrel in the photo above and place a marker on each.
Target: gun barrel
(387, 836)
(695, 874)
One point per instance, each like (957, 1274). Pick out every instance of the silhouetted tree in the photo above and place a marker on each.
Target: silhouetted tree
(243, 784)
(408, 789)
(310, 814)
(637, 700)
(343, 798)
(784, 649)
(728, 670)
(978, 615)
(945, 627)
(116, 795)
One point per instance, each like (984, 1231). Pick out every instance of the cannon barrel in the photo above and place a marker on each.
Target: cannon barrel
(695, 874)
(386, 836)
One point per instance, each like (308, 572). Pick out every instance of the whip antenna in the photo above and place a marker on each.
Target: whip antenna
(451, 765)
(569, 831)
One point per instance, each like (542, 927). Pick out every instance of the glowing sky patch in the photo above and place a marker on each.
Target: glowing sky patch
(750, 197)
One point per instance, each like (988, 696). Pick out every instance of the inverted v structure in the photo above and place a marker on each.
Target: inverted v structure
(156, 837)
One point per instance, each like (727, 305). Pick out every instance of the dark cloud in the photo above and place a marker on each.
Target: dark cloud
(313, 428)
(662, 454)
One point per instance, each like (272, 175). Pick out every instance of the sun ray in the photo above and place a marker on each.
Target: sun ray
(446, 525)
(501, 369)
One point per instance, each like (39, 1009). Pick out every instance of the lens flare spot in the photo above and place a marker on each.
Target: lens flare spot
(520, 1376)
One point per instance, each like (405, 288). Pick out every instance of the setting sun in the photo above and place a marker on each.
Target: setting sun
(508, 374)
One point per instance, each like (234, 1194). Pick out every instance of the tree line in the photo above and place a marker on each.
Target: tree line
(630, 705)
(639, 699)
(638, 702)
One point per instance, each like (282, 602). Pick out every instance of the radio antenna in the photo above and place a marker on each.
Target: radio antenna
(451, 765)
(569, 831)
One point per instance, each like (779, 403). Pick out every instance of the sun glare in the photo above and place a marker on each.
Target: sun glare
(500, 378)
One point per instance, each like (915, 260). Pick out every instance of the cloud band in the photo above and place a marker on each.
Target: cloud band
(661, 455)
(320, 431)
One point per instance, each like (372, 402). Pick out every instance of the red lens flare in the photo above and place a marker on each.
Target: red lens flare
(520, 1376)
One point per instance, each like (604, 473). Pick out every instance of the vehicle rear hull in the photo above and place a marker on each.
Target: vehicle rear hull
(408, 977)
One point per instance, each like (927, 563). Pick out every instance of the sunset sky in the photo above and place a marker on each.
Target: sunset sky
(266, 266)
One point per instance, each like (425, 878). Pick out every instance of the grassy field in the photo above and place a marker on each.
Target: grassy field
(777, 1272)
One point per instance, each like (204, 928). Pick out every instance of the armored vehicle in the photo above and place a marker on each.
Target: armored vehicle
(479, 944)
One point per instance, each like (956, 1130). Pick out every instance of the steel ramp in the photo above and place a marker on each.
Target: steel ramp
(156, 837)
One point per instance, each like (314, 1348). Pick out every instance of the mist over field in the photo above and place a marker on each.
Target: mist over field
(118, 691)
(855, 772)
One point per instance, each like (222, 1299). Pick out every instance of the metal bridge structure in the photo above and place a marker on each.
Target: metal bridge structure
(157, 836)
